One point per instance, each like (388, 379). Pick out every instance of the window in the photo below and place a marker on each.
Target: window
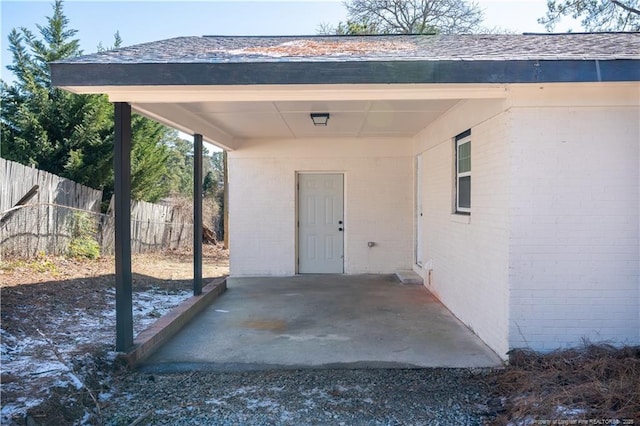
(463, 173)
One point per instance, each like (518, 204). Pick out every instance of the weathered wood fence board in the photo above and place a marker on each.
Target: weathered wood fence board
(40, 226)
(44, 224)
(18, 179)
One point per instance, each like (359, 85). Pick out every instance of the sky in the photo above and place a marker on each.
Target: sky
(146, 20)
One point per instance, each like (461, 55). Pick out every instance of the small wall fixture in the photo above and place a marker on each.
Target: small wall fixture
(319, 118)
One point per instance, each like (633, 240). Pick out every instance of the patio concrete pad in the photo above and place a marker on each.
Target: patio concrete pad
(322, 321)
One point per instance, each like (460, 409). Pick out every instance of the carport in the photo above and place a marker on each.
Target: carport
(230, 90)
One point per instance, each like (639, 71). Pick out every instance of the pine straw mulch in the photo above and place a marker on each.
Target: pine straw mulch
(594, 384)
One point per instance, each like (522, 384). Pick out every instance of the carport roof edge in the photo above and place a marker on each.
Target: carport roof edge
(390, 59)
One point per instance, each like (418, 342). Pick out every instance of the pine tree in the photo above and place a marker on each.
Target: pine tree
(62, 133)
(67, 134)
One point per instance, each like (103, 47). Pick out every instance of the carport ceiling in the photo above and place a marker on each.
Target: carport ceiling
(290, 119)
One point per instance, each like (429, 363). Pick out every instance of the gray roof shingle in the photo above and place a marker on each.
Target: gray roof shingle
(502, 47)
(395, 59)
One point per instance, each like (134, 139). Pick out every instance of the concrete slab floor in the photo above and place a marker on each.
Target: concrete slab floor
(322, 321)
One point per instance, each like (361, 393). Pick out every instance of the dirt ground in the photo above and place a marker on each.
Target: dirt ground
(44, 286)
(58, 324)
(150, 268)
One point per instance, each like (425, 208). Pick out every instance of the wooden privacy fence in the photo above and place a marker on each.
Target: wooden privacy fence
(153, 227)
(40, 226)
(48, 221)
(16, 180)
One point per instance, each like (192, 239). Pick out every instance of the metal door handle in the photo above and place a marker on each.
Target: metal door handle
(339, 229)
(339, 222)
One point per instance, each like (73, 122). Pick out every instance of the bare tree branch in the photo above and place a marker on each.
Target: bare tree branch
(595, 15)
(416, 16)
(625, 7)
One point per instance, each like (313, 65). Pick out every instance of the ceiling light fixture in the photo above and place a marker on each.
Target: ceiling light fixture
(319, 118)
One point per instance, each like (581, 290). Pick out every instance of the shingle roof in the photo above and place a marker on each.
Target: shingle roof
(391, 59)
(223, 49)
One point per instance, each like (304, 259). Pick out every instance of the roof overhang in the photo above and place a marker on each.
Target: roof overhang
(233, 88)
(365, 72)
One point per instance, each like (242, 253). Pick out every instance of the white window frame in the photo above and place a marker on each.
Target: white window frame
(461, 141)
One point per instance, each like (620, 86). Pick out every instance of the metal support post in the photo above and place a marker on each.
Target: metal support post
(122, 194)
(197, 214)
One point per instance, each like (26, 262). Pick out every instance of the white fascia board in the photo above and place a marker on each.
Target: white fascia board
(275, 93)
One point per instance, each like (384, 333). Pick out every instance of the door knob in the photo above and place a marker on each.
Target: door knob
(339, 222)
(339, 229)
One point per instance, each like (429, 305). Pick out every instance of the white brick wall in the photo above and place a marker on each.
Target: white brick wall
(574, 256)
(469, 260)
(551, 253)
(378, 202)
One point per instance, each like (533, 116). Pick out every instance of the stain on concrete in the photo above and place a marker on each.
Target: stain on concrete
(267, 324)
(308, 337)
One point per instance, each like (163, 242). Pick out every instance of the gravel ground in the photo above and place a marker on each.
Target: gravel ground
(301, 397)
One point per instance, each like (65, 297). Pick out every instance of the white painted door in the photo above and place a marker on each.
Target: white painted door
(321, 223)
